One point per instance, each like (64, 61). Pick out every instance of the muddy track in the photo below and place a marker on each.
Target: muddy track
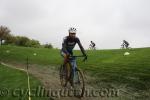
(49, 76)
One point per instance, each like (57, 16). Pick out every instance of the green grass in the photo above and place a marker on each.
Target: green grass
(13, 81)
(110, 67)
(19, 54)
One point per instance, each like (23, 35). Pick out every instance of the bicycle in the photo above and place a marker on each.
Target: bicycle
(124, 47)
(70, 73)
(91, 47)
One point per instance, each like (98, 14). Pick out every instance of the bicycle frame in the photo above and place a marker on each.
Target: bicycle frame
(91, 47)
(72, 61)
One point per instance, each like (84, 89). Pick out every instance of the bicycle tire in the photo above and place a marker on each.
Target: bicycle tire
(64, 73)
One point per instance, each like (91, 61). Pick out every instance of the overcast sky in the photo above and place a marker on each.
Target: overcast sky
(106, 22)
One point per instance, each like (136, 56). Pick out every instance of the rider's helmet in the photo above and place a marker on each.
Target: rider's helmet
(72, 30)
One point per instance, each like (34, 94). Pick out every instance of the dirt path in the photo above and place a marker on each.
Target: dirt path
(49, 76)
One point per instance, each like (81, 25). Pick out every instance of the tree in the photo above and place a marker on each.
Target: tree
(33, 43)
(50, 46)
(21, 40)
(10, 39)
(4, 32)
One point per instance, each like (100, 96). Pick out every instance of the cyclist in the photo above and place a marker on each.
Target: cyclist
(125, 44)
(69, 43)
(92, 45)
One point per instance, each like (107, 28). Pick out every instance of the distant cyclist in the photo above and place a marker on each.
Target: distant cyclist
(125, 44)
(69, 43)
(92, 45)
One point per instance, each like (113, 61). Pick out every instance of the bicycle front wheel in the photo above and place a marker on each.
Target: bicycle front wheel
(64, 74)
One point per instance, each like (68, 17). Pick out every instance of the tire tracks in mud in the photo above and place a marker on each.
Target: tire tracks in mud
(49, 77)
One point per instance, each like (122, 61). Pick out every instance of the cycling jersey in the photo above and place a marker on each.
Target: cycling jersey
(93, 44)
(126, 42)
(69, 43)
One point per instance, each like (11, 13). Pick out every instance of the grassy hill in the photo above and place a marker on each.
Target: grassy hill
(110, 68)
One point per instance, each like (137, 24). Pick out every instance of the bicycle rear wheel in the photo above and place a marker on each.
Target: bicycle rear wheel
(78, 83)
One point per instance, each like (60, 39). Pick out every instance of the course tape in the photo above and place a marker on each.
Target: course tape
(21, 70)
